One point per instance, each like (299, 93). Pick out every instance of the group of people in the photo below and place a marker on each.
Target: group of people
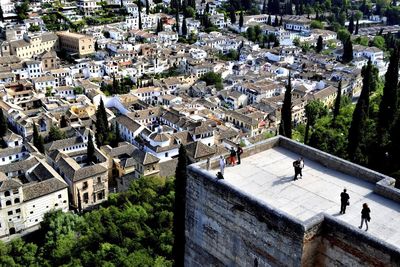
(233, 159)
(365, 212)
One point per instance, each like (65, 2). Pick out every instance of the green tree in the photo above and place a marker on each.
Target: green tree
(359, 131)
(285, 127)
(336, 110)
(313, 110)
(389, 102)
(212, 78)
(101, 124)
(316, 24)
(140, 20)
(351, 24)
(184, 27)
(177, 22)
(343, 35)
(1, 14)
(387, 115)
(90, 150)
(63, 122)
(264, 7)
(379, 42)
(180, 207)
(22, 10)
(3, 124)
(55, 134)
(241, 19)
(347, 51)
(320, 45)
(37, 139)
(232, 16)
(147, 7)
(357, 27)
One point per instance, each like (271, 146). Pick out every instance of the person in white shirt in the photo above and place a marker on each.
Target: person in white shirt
(301, 165)
(221, 164)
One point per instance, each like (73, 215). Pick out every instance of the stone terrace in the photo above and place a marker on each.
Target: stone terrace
(268, 176)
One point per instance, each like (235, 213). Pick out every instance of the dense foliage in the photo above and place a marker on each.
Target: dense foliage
(133, 229)
(212, 78)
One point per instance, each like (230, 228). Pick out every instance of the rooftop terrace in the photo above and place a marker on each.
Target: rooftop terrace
(267, 176)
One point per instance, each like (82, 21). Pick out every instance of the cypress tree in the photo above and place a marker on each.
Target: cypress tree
(180, 207)
(313, 110)
(63, 122)
(264, 7)
(276, 7)
(270, 7)
(320, 44)
(140, 20)
(147, 7)
(37, 139)
(1, 14)
(356, 31)
(281, 21)
(177, 22)
(241, 19)
(232, 16)
(269, 22)
(207, 9)
(285, 128)
(184, 27)
(90, 150)
(389, 101)
(394, 147)
(351, 24)
(357, 138)
(101, 124)
(3, 124)
(276, 21)
(347, 51)
(336, 109)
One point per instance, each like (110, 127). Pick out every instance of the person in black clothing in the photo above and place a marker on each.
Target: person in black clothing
(239, 152)
(297, 169)
(365, 217)
(344, 201)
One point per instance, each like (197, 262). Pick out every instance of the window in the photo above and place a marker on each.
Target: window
(16, 200)
(10, 212)
(31, 212)
(86, 197)
(7, 193)
(98, 179)
(85, 185)
(59, 196)
(56, 205)
(8, 203)
(166, 154)
(18, 211)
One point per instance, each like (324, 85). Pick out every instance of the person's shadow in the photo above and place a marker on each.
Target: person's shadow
(283, 180)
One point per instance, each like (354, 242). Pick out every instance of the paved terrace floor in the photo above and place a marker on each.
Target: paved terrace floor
(268, 176)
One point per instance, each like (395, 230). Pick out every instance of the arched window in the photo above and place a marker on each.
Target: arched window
(16, 200)
(7, 193)
(8, 202)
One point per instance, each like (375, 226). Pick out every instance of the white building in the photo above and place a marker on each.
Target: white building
(22, 206)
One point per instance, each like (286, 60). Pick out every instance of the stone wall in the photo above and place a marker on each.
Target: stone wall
(385, 187)
(227, 228)
(344, 245)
